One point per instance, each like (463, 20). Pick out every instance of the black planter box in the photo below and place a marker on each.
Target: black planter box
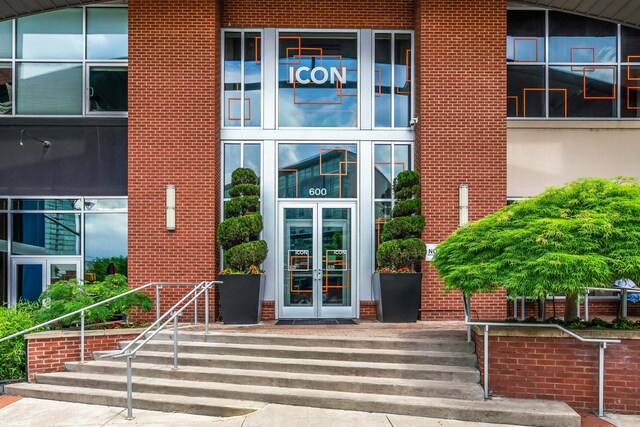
(397, 296)
(241, 298)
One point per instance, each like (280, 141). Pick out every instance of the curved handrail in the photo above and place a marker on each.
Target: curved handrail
(545, 325)
(89, 307)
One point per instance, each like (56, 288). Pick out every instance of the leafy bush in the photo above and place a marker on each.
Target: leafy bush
(239, 232)
(15, 319)
(66, 296)
(401, 247)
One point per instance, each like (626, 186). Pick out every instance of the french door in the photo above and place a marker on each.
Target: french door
(317, 253)
(32, 276)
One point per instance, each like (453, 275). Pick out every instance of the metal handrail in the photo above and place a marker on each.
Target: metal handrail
(601, 341)
(623, 298)
(81, 311)
(201, 288)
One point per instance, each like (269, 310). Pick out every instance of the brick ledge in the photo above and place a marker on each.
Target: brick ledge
(497, 331)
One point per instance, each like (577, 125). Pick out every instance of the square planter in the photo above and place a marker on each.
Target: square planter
(397, 296)
(241, 298)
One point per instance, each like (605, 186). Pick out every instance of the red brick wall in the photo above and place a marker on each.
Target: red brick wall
(368, 310)
(50, 354)
(563, 369)
(345, 14)
(173, 138)
(268, 310)
(462, 133)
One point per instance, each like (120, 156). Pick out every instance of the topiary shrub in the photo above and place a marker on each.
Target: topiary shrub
(401, 246)
(238, 233)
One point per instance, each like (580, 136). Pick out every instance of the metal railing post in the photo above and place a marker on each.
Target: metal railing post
(524, 299)
(82, 337)
(206, 310)
(603, 345)
(195, 311)
(486, 361)
(586, 305)
(175, 340)
(158, 301)
(129, 388)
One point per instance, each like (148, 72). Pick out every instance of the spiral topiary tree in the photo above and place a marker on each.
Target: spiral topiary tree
(401, 246)
(238, 233)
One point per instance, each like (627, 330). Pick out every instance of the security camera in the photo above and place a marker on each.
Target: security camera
(413, 122)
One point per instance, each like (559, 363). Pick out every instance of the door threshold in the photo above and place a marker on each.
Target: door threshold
(312, 322)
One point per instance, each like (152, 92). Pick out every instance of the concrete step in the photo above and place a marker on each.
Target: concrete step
(312, 366)
(352, 384)
(155, 402)
(449, 341)
(316, 353)
(511, 411)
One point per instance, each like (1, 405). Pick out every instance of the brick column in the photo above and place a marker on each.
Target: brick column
(462, 133)
(173, 138)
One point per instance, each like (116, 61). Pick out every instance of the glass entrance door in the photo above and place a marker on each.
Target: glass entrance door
(32, 276)
(317, 252)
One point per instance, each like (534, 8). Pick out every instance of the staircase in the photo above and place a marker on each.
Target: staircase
(228, 374)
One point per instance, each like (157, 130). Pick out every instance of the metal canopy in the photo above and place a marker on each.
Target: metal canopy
(16, 8)
(619, 11)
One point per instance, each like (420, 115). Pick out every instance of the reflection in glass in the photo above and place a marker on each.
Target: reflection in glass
(105, 204)
(317, 171)
(401, 159)
(232, 159)
(574, 38)
(4, 256)
(525, 91)
(578, 91)
(6, 85)
(630, 44)
(29, 282)
(46, 204)
(382, 80)
(6, 39)
(252, 79)
(317, 80)
(252, 157)
(402, 77)
(382, 214)
(298, 255)
(525, 36)
(58, 272)
(108, 88)
(46, 234)
(105, 241)
(232, 77)
(107, 33)
(51, 35)
(49, 88)
(383, 180)
(336, 257)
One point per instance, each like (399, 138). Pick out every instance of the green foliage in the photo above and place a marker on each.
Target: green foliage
(14, 319)
(243, 256)
(586, 233)
(244, 176)
(239, 232)
(236, 230)
(401, 246)
(100, 266)
(407, 207)
(397, 254)
(244, 190)
(241, 205)
(403, 227)
(66, 296)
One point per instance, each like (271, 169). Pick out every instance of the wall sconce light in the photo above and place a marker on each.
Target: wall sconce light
(463, 203)
(23, 132)
(171, 207)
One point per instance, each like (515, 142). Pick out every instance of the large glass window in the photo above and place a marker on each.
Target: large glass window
(107, 33)
(323, 171)
(6, 88)
(108, 89)
(105, 243)
(45, 234)
(51, 35)
(6, 39)
(318, 79)
(392, 63)
(581, 76)
(240, 155)
(242, 79)
(49, 88)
